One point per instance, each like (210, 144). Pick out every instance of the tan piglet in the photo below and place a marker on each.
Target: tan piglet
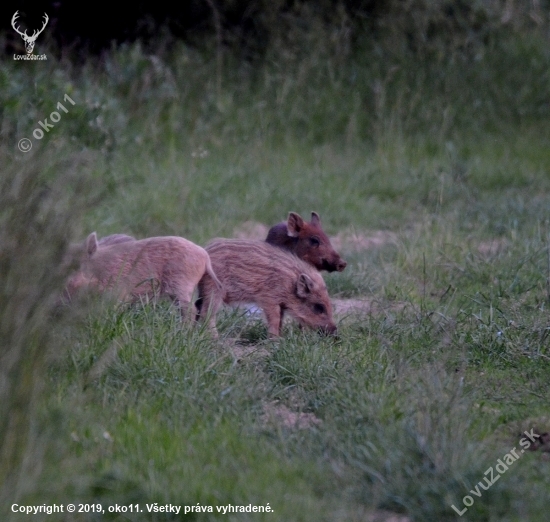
(159, 266)
(270, 277)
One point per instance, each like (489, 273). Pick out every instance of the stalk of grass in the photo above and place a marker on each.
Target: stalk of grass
(41, 200)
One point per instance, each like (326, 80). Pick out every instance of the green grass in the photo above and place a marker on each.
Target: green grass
(414, 401)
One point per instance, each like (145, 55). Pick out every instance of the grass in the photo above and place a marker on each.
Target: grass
(414, 401)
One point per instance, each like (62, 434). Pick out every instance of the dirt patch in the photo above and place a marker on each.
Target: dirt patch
(363, 306)
(357, 241)
(492, 247)
(243, 352)
(537, 434)
(279, 414)
(534, 431)
(352, 306)
(251, 230)
(541, 443)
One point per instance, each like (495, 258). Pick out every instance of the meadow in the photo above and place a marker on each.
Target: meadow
(432, 172)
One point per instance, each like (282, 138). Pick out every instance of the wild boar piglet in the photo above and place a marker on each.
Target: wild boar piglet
(270, 277)
(308, 241)
(158, 266)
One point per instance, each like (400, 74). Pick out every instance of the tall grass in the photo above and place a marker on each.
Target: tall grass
(37, 221)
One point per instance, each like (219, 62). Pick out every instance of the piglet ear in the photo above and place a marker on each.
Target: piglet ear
(91, 243)
(315, 219)
(294, 224)
(304, 286)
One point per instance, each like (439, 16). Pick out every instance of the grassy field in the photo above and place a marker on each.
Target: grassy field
(434, 178)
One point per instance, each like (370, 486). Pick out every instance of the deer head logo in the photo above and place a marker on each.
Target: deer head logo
(29, 40)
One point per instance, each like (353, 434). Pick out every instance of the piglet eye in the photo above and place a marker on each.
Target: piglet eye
(319, 308)
(314, 241)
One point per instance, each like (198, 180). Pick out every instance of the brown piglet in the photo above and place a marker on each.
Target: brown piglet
(308, 241)
(159, 266)
(270, 277)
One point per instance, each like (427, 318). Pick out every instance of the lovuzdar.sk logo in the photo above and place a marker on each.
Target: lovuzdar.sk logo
(29, 40)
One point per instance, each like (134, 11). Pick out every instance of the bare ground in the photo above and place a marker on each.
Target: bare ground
(279, 414)
(492, 247)
(356, 241)
(363, 306)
